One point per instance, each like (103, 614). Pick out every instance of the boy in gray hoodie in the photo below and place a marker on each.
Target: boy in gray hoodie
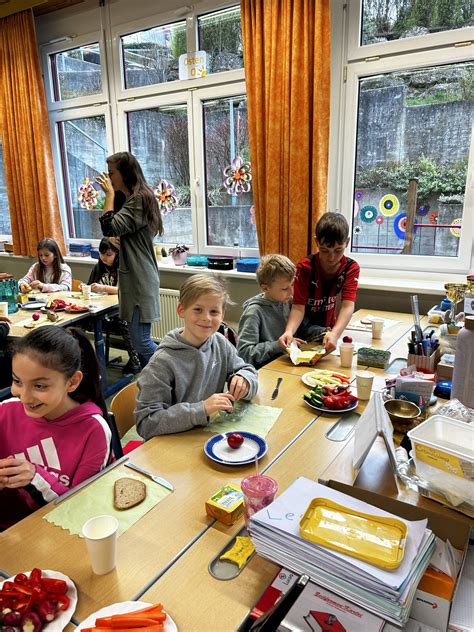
(181, 387)
(264, 316)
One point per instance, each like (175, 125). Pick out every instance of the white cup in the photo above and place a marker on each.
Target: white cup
(346, 351)
(100, 534)
(3, 309)
(86, 291)
(364, 381)
(377, 328)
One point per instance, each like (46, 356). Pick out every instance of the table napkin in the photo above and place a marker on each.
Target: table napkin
(245, 417)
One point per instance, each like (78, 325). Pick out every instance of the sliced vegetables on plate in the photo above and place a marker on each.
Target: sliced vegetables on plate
(331, 398)
(129, 615)
(324, 377)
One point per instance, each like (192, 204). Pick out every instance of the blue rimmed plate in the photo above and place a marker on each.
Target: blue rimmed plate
(34, 305)
(218, 449)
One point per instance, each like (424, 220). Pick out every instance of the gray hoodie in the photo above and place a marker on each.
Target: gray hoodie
(261, 324)
(179, 377)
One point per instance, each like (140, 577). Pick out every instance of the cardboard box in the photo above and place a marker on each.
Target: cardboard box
(444, 371)
(428, 608)
(226, 505)
(425, 362)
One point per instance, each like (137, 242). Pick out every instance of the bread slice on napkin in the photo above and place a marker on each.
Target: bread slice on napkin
(128, 492)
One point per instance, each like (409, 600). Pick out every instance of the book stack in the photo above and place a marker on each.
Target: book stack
(275, 532)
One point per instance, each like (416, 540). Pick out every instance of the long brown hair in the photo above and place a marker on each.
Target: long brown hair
(134, 180)
(53, 247)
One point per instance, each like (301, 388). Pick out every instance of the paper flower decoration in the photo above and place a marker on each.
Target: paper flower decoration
(238, 177)
(87, 195)
(165, 194)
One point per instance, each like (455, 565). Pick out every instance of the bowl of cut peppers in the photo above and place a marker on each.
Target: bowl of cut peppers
(37, 600)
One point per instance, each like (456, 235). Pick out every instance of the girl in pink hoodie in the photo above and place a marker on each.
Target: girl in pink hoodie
(53, 433)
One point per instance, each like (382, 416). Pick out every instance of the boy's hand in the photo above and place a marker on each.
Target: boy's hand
(238, 387)
(330, 341)
(218, 402)
(285, 340)
(16, 472)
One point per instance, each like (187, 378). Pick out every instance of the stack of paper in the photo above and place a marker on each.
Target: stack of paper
(275, 532)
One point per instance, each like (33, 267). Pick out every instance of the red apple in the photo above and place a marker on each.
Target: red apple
(347, 339)
(235, 440)
(35, 316)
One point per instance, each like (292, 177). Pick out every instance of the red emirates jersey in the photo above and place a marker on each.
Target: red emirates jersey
(319, 293)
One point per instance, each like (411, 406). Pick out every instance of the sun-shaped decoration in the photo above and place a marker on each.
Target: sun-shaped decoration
(238, 177)
(87, 195)
(165, 194)
(455, 229)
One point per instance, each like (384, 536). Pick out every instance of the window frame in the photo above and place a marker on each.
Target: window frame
(62, 47)
(347, 161)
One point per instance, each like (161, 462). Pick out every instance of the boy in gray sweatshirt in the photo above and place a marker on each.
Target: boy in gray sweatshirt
(181, 387)
(264, 316)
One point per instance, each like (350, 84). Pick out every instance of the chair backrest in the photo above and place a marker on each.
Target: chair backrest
(116, 445)
(122, 406)
(76, 285)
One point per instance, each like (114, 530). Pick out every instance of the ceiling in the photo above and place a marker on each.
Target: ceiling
(40, 7)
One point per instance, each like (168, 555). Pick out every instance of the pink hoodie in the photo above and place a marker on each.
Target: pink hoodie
(66, 451)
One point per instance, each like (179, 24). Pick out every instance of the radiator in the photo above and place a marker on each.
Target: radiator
(169, 319)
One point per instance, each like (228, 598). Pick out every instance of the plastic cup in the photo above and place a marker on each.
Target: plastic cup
(86, 291)
(364, 381)
(346, 352)
(3, 309)
(259, 492)
(377, 328)
(100, 534)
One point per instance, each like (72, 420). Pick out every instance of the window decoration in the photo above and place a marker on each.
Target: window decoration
(238, 177)
(165, 193)
(368, 214)
(400, 225)
(456, 230)
(86, 194)
(389, 205)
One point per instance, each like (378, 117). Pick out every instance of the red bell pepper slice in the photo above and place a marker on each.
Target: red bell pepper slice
(55, 586)
(21, 578)
(35, 575)
(63, 601)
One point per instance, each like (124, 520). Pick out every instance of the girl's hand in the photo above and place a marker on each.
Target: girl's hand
(115, 241)
(37, 285)
(97, 287)
(5, 319)
(24, 288)
(105, 183)
(238, 387)
(16, 472)
(217, 402)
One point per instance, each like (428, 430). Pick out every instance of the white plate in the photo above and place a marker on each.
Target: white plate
(122, 608)
(306, 379)
(334, 411)
(34, 305)
(219, 450)
(64, 616)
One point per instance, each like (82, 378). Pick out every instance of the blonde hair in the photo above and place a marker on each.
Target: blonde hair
(273, 266)
(199, 284)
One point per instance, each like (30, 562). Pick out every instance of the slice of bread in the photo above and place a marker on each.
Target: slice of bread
(128, 492)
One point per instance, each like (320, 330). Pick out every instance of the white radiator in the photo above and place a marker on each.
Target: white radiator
(169, 319)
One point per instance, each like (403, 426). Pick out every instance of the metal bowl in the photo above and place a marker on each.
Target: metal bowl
(402, 413)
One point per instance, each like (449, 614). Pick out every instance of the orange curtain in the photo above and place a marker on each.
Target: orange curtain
(27, 154)
(287, 70)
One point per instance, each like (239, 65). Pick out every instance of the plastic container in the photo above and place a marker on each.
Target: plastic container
(220, 263)
(247, 265)
(463, 374)
(443, 450)
(378, 540)
(259, 492)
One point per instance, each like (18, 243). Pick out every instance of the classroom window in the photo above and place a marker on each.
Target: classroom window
(228, 203)
(158, 137)
(220, 35)
(152, 56)
(83, 145)
(5, 224)
(401, 19)
(76, 72)
(412, 124)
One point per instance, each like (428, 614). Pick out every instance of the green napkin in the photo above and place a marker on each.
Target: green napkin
(98, 499)
(245, 417)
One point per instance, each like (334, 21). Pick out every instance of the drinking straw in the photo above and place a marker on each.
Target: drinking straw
(257, 473)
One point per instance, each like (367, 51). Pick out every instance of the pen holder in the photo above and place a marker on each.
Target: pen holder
(424, 362)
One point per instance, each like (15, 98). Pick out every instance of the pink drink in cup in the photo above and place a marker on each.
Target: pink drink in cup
(259, 491)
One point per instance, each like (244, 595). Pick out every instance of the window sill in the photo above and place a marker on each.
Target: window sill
(407, 281)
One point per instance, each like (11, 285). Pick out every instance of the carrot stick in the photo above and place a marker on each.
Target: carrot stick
(124, 621)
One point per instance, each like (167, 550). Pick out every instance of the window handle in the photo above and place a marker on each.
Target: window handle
(197, 182)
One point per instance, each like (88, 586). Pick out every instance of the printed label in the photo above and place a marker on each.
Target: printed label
(444, 461)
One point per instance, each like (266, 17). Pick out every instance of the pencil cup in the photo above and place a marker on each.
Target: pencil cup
(100, 534)
(259, 491)
(377, 328)
(364, 381)
(3, 309)
(346, 352)
(86, 291)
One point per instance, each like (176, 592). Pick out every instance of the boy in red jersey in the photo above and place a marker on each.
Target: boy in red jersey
(320, 279)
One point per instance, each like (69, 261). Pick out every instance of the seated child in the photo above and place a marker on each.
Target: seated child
(49, 273)
(183, 384)
(264, 316)
(5, 362)
(320, 279)
(53, 432)
(103, 278)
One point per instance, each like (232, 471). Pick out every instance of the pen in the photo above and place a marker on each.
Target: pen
(426, 346)
(411, 348)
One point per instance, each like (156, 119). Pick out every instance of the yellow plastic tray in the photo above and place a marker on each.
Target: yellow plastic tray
(375, 539)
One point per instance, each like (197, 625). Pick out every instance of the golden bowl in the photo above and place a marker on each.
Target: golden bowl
(402, 413)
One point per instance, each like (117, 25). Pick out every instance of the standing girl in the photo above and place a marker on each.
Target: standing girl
(103, 278)
(54, 435)
(49, 273)
(136, 223)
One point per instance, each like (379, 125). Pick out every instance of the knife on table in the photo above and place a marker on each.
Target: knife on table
(277, 388)
(156, 479)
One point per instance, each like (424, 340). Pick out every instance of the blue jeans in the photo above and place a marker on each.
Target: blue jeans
(140, 334)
